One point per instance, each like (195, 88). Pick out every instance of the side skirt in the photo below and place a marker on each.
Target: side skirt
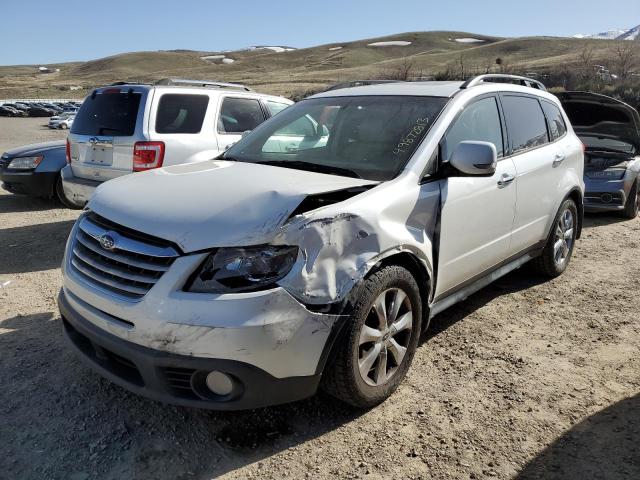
(484, 280)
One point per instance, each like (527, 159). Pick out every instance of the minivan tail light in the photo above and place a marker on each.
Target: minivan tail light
(68, 152)
(147, 155)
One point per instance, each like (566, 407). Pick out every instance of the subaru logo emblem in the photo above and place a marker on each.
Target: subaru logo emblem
(107, 242)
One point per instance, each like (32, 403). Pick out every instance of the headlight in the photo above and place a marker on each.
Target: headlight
(243, 269)
(608, 174)
(25, 163)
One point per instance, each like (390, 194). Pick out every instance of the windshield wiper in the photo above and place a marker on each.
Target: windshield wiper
(312, 167)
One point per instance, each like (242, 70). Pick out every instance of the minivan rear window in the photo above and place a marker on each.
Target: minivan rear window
(111, 114)
(180, 113)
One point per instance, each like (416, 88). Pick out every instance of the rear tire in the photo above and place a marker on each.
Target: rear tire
(632, 206)
(376, 349)
(557, 252)
(62, 197)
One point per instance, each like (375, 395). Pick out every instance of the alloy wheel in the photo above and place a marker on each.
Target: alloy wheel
(563, 237)
(384, 337)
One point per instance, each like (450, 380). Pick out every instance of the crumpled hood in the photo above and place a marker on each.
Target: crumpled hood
(592, 114)
(211, 204)
(34, 148)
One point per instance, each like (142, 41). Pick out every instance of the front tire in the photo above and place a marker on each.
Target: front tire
(557, 252)
(62, 197)
(632, 206)
(380, 340)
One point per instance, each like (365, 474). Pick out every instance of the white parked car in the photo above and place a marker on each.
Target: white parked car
(256, 278)
(124, 128)
(64, 121)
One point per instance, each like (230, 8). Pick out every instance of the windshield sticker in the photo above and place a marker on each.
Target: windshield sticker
(414, 134)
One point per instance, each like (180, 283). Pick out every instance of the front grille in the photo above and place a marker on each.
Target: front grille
(179, 381)
(118, 259)
(603, 198)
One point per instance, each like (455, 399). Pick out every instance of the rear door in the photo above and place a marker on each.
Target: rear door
(477, 212)
(538, 164)
(105, 130)
(236, 115)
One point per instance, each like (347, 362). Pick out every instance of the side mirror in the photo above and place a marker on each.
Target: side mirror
(475, 158)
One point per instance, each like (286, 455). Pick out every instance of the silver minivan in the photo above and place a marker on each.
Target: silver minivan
(125, 128)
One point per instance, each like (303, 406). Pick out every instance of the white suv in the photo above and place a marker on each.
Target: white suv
(283, 266)
(125, 128)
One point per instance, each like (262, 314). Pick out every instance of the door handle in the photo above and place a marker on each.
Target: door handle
(505, 180)
(558, 159)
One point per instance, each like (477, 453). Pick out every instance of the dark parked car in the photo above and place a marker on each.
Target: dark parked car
(610, 131)
(8, 112)
(35, 170)
(41, 112)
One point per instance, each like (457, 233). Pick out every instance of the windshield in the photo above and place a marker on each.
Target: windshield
(370, 137)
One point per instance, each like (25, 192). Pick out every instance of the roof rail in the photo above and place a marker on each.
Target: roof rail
(133, 82)
(359, 83)
(504, 78)
(202, 83)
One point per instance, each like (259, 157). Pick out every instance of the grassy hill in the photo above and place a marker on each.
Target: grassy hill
(292, 72)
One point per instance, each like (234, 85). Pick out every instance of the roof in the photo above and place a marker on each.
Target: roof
(428, 89)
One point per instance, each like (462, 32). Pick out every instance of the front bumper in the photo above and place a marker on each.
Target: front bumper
(177, 379)
(605, 195)
(77, 190)
(39, 184)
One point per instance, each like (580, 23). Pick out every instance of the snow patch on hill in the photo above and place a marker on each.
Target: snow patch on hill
(273, 48)
(392, 43)
(469, 40)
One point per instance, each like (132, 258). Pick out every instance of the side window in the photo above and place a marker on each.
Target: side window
(275, 107)
(480, 122)
(179, 113)
(237, 115)
(525, 122)
(557, 127)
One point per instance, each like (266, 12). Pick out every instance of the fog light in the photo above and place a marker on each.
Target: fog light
(219, 383)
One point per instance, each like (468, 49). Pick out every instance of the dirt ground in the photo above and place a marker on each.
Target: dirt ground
(526, 379)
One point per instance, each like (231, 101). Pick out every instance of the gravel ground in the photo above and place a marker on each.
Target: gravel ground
(525, 379)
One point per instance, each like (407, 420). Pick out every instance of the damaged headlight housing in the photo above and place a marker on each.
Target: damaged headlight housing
(241, 269)
(25, 163)
(608, 174)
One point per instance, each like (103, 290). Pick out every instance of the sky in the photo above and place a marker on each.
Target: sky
(52, 31)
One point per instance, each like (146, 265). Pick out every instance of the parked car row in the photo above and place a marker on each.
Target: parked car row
(314, 250)
(37, 109)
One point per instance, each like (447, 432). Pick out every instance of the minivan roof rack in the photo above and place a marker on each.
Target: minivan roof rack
(202, 83)
(504, 78)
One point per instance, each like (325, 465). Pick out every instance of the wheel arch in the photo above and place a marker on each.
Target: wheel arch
(575, 194)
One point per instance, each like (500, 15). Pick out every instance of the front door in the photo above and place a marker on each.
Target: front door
(477, 213)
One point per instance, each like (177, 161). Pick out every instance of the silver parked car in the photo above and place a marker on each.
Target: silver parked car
(610, 131)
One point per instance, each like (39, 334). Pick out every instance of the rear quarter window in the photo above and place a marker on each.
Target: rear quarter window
(557, 126)
(180, 113)
(108, 113)
(526, 123)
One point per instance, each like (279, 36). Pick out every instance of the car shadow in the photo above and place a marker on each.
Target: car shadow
(62, 420)
(33, 248)
(605, 445)
(520, 279)
(602, 219)
(11, 203)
